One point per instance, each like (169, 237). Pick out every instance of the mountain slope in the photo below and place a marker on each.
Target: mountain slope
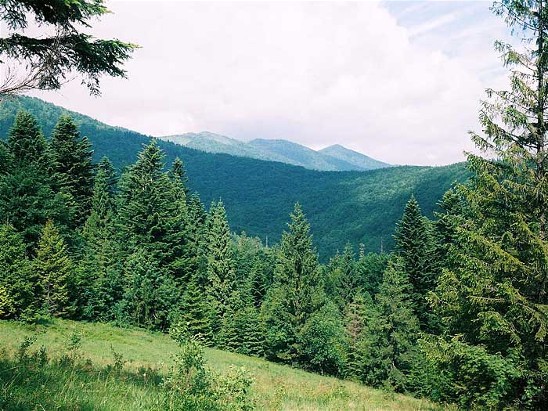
(298, 155)
(336, 158)
(359, 160)
(355, 207)
(146, 354)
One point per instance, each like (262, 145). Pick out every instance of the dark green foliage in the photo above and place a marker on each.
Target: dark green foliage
(16, 279)
(295, 295)
(357, 316)
(151, 295)
(388, 341)
(54, 272)
(221, 274)
(369, 270)
(416, 247)
(355, 207)
(342, 281)
(73, 170)
(323, 341)
(146, 209)
(26, 142)
(60, 49)
(27, 196)
(195, 314)
(493, 289)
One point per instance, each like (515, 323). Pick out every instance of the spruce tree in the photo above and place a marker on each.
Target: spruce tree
(73, 169)
(100, 271)
(389, 342)
(415, 245)
(27, 195)
(16, 278)
(296, 293)
(53, 269)
(221, 275)
(145, 208)
(26, 142)
(195, 313)
(493, 291)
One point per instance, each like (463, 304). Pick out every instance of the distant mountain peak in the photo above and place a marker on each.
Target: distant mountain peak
(333, 158)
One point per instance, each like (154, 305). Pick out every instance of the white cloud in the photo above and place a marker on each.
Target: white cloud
(314, 73)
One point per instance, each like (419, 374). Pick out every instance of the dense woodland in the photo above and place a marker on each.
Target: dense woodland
(458, 312)
(355, 207)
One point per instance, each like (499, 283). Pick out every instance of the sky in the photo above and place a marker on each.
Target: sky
(400, 81)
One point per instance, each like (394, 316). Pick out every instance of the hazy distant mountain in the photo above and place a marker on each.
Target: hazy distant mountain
(278, 150)
(354, 158)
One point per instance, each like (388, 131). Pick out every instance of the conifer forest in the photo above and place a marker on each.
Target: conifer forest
(456, 312)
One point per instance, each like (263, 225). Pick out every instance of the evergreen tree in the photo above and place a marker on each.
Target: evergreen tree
(177, 234)
(151, 296)
(388, 347)
(196, 313)
(415, 245)
(296, 294)
(341, 279)
(16, 279)
(26, 142)
(73, 169)
(54, 270)
(27, 196)
(369, 270)
(100, 271)
(357, 313)
(221, 275)
(493, 290)
(145, 210)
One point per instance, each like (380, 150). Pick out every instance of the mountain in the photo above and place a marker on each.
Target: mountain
(216, 143)
(295, 154)
(282, 151)
(359, 160)
(342, 207)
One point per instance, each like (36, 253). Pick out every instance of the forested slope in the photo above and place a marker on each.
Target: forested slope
(355, 207)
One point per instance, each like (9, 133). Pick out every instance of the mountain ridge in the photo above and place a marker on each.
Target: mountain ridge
(280, 150)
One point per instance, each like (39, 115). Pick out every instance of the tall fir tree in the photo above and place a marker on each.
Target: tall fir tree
(416, 247)
(73, 170)
(493, 291)
(296, 293)
(221, 274)
(145, 210)
(16, 278)
(27, 195)
(389, 345)
(54, 271)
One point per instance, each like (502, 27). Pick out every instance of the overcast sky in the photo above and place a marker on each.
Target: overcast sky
(398, 81)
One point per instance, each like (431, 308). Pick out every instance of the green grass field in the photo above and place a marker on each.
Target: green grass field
(146, 356)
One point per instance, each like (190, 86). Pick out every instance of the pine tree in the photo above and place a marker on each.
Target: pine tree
(415, 245)
(357, 313)
(73, 169)
(369, 270)
(54, 270)
(341, 280)
(494, 288)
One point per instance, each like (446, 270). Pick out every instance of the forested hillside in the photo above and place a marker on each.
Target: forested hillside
(355, 207)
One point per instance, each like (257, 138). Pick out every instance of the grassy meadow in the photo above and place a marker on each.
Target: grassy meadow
(122, 369)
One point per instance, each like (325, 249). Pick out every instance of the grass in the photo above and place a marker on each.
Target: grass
(146, 357)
